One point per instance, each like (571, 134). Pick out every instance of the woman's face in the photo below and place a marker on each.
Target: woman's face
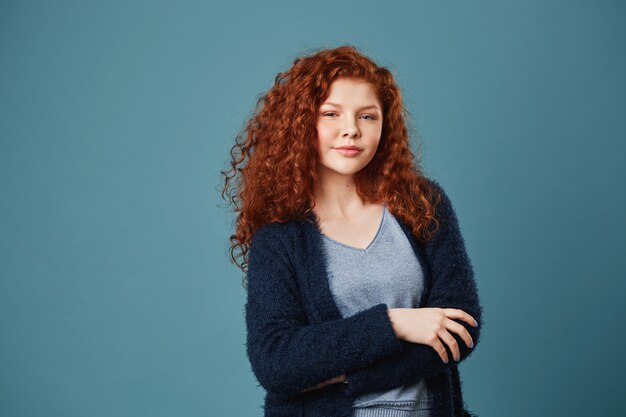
(351, 116)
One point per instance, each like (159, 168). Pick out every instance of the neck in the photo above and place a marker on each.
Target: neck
(336, 194)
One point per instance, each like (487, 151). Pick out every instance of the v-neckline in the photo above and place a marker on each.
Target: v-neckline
(368, 247)
(316, 285)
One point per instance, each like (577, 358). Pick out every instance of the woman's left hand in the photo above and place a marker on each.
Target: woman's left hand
(334, 380)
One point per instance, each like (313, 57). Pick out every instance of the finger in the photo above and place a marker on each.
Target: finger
(451, 342)
(461, 315)
(440, 349)
(461, 331)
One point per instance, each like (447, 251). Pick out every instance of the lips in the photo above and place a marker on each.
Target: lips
(348, 150)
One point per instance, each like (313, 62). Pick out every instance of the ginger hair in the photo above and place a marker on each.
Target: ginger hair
(274, 158)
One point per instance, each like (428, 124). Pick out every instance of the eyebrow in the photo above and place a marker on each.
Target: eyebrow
(371, 106)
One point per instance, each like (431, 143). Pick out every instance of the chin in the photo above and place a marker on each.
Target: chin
(351, 171)
(343, 168)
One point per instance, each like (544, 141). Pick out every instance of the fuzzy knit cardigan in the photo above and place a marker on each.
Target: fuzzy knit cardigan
(297, 337)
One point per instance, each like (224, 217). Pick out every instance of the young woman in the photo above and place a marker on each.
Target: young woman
(361, 299)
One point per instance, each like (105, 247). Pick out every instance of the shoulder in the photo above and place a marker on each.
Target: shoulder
(448, 233)
(275, 232)
(273, 254)
(277, 239)
(443, 204)
(267, 233)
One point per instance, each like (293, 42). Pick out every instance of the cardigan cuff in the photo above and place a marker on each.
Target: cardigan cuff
(375, 337)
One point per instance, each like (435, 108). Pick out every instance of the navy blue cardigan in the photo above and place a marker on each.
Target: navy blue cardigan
(297, 338)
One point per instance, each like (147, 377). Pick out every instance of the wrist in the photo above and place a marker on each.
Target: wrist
(393, 318)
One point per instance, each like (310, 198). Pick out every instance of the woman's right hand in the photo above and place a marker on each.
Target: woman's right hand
(430, 325)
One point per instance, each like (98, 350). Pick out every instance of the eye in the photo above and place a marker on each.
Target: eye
(370, 117)
(328, 113)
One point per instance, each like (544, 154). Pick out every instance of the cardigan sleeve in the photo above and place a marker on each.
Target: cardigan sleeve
(288, 354)
(453, 286)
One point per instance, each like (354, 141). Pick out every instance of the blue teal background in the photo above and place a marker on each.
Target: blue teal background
(117, 297)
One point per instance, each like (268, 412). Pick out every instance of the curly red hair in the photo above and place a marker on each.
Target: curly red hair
(277, 181)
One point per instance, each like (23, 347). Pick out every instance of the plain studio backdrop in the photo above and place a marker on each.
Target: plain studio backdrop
(117, 297)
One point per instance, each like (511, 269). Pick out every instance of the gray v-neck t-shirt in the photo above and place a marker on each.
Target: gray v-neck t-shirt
(387, 271)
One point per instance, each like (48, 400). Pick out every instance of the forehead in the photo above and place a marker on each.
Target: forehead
(346, 92)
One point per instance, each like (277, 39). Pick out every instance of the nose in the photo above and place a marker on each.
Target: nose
(350, 129)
